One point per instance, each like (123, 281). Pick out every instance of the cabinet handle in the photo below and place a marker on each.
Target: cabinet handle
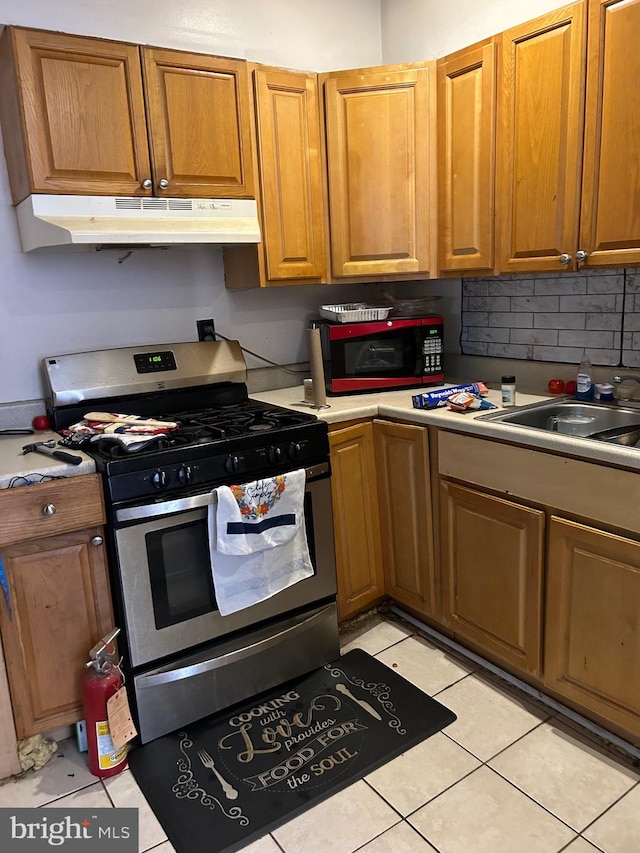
(565, 259)
(147, 183)
(97, 540)
(581, 256)
(163, 183)
(49, 510)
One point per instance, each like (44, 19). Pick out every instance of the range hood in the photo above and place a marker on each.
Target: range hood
(96, 221)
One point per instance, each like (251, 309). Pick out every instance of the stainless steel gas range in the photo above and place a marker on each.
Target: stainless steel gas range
(183, 659)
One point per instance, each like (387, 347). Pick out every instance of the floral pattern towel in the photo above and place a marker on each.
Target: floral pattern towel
(261, 514)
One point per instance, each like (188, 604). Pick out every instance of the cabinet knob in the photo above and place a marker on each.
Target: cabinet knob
(163, 183)
(97, 540)
(147, 183)
(581, 256)
(565, 259)
(49, 510)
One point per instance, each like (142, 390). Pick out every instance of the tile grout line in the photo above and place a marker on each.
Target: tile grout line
(541, 805)
(621, 797)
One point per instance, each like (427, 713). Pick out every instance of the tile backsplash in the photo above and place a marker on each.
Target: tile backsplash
(554, 317)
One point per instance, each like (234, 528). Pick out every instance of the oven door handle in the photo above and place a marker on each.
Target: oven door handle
(194, 502)
(231, 657)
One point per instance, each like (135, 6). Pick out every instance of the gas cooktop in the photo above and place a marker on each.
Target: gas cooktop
(218, 424)
(222, 435)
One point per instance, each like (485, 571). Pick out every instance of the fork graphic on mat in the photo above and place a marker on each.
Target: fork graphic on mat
(229, 791)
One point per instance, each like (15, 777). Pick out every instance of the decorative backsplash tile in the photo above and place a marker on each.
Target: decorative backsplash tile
(554, 317)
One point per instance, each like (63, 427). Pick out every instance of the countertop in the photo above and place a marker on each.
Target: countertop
(388, 404)
(32, 465)
(399, 405)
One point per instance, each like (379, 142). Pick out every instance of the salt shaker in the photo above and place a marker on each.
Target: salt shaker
(508, 391)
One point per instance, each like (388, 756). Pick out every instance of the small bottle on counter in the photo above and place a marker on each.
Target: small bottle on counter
(508, 391)
(584, 380)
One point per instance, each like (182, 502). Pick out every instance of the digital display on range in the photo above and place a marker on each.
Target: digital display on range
(155, 362)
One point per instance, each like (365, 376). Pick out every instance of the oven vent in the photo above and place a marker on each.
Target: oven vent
(180, 204)
(128, 203)
(154, 204)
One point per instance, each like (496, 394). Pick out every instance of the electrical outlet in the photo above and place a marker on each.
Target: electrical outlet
(206, 330)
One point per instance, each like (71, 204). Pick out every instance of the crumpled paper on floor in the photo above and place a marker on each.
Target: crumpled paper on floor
(36, 751)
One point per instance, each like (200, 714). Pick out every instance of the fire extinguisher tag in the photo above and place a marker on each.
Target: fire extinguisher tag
(120, 721)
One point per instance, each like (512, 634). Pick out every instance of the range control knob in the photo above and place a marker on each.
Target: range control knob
(184, 475)
(159, 479)
(234, 463)
(297, 449)
(275, 454)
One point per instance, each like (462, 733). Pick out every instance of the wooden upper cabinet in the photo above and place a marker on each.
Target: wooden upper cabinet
(610, 218)
(466, 166)
(381, 165)
(73, 115)
(540, 131)
(291, 180)
(81, 116)
(199, 125)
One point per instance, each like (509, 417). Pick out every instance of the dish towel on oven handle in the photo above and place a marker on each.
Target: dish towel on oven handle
(279, 555)
(260, 514)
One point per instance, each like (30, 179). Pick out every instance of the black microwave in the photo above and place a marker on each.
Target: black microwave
(382, 355)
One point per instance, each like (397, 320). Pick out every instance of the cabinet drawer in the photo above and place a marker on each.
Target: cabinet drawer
(77, 503)
(585, 489)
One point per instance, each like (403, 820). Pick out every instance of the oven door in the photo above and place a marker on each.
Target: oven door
(167, 594)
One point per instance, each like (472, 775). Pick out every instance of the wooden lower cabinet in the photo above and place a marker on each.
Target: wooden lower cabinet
(592, 643)
(60, 607)
(404, 493)
(355, 518)
(492, 569)
(59, 601)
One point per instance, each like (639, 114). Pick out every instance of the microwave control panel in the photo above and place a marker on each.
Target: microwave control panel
(432, 347)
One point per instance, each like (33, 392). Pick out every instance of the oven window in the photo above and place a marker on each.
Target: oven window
(179, 569)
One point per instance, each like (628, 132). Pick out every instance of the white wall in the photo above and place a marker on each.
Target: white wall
(415, 30)
(55, 303)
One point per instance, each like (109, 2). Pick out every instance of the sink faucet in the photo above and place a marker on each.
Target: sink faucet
(618, 379)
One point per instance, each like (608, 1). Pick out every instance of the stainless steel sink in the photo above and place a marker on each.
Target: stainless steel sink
(598, 421)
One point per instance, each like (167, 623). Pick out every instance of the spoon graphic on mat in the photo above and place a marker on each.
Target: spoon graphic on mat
(342, 688)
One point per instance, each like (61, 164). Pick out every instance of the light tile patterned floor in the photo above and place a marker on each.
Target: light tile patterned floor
(509, 775)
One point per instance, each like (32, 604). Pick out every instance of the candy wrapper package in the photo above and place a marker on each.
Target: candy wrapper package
(463, 401)
(433, 399)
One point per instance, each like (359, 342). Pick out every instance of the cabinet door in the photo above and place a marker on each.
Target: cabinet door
(466, 144)
(406, 520)
(60, 607)
(592, 642)
(491, 552)
(291, 189)
(200, 137)
(379, 145)
(610, 220)
(355, 519)
(540, 141)
(73, 115)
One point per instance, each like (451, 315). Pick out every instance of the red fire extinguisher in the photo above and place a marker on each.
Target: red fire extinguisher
(100, 681)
